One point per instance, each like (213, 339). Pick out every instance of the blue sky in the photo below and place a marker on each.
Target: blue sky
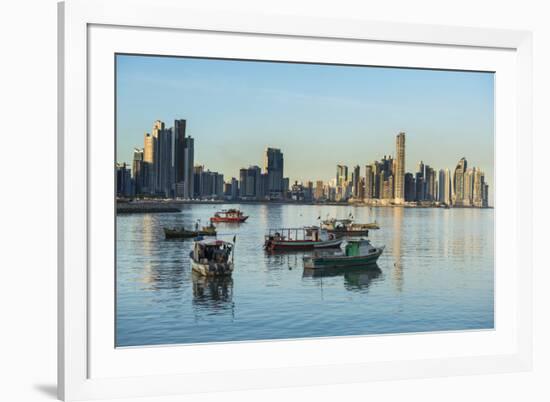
(319, 115)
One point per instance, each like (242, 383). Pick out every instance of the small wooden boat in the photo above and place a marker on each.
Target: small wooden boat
(306, 238)
(356, 253)
(182, 233)
(212, 257)
(229, 215)
(346, 227)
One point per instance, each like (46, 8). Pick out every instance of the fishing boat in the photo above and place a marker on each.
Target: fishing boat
(305, 238)
(229, 215)
(356, 253)
(347, 227)
(182, 233)
(212, 257)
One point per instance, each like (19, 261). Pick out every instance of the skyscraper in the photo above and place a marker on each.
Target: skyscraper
(369, 183)
(444, 182)
(478, 188)
(341, 175)
(162, 159)
(458, 182)
(148, 148)
(124, 184)
(140, 172)
(184, 155)
(274, 168)
(399, 174)
(468, 187)
(410, 187)
(356, 179)
(250, 182)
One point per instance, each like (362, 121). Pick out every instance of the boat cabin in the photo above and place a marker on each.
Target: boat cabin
(217, 251)
(308, 233)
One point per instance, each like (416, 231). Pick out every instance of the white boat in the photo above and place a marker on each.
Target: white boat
(306, 238)
(212, 257)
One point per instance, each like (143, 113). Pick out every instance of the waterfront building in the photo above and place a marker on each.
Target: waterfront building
(361, 190)
(207, 184)
(458, 182)
(468, 187)
(478, 188)
(162, 159)
(274, 169)
(140, 172)
(341, 175)
(430, 192)
(356, 180)
(410, 187)
(387, 188)
(399, 172)
(234, 192)
(124, 185)
(420, 182)
(319, 193)
(308, 191)
(184, 154)
(148, 148)
(250, 182)
(286, 183)
(444, 182)
(297, 192)
(369, 183)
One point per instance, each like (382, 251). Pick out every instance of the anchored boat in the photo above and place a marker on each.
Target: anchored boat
(356, 253)
(212, 257)
(306, 238)
(182, 233)
(346, 227)
(229, 215)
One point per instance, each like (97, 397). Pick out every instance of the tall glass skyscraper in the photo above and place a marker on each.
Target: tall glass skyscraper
(399, 173)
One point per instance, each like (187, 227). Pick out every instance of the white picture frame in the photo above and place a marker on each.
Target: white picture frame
(89, 368)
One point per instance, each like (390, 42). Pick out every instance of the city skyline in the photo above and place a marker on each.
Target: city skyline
(165, 167)
(320, 115)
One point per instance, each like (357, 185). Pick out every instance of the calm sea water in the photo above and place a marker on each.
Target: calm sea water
(436, 274)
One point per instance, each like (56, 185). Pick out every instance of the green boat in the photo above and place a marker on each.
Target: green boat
(356, 253)
(182, 233)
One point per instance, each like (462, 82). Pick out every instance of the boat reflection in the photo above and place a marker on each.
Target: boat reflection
(355, 278)
(213, 294)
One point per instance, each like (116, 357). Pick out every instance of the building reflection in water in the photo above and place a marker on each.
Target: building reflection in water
(356, 279)
(397, 251)
(213, 295)
(156, 275)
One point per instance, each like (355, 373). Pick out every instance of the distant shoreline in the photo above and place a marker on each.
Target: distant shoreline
(160, 206)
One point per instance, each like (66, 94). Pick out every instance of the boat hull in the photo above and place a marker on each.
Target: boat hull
(342, 261)
(228, 220)
(175, 234)
(349, 233)
(302, 245)
(212, 269)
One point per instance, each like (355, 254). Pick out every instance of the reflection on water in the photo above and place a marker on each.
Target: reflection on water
(355, 278)
(213, 294)
(435, 274)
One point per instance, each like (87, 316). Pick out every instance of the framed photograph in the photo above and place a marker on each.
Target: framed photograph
(254, 201)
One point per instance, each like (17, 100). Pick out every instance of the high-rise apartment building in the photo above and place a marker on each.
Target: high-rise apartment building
(162, 159)
(250, 182)
(458, 182)
(183, 160)
(274, 169)
(341, 175)
(399, 173)
(369, 182)
(444, 183)
(356, 180)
